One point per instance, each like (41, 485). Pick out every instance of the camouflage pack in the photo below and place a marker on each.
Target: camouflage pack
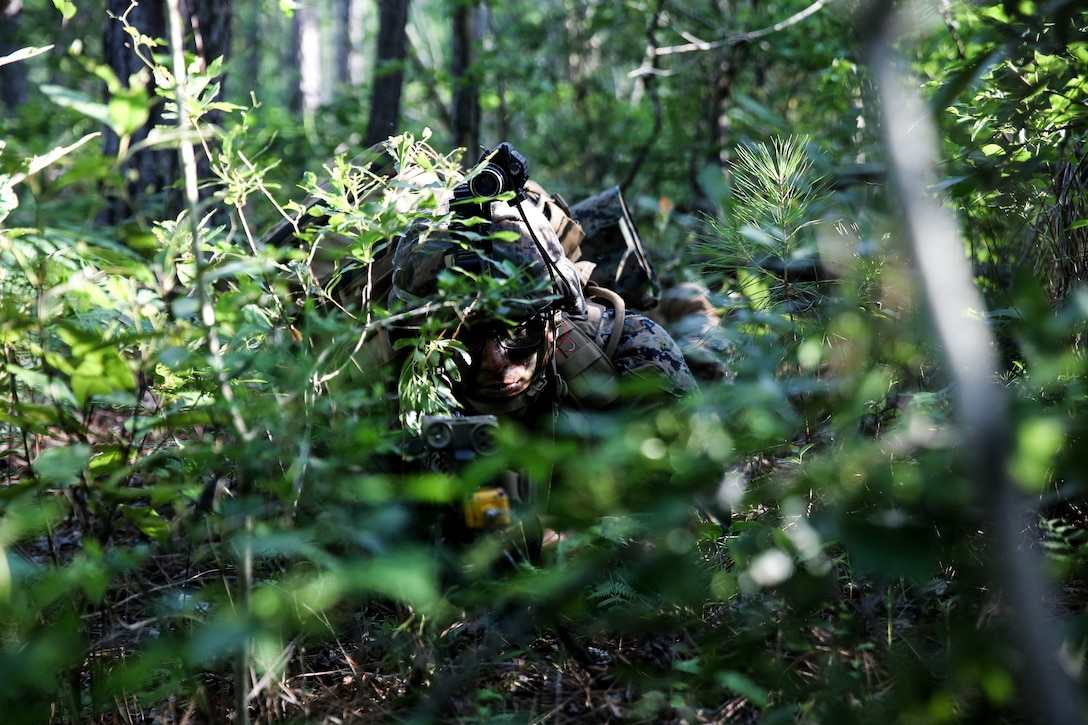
(615, 249)
(599, 235)
(348, 282)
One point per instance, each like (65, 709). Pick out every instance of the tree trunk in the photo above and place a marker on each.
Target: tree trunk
(309, 59)
(356, 64)
(465, 111)
(12, 75)
(210, 25)
(721, 68)
(341, 43)
(388, 71)
(146, 175)
(211, 31)
(252, 30)
(289, 62)
(149, 175)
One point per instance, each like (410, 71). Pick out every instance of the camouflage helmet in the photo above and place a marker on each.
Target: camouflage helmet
(519, 239)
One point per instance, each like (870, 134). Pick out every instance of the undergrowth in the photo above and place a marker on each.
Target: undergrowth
(199, 521)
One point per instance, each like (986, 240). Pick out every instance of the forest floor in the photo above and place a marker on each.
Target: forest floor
(374, 665)
(379, 663)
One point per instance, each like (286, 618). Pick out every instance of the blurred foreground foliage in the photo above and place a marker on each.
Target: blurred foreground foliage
(195, 519)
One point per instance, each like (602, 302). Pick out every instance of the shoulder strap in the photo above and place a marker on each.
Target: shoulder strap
(589, 375)
(595, 292)
(584, 354)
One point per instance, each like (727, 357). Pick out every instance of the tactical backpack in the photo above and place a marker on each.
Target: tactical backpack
(599, 235)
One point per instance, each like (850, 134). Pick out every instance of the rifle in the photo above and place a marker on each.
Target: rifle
(448, 443)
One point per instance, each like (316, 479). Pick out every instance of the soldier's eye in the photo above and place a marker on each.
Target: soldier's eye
(519, 338)
(527, 335)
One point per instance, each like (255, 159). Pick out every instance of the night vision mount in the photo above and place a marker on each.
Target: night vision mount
(506, 170)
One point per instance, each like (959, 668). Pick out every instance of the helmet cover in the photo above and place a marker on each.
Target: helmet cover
(521, 240)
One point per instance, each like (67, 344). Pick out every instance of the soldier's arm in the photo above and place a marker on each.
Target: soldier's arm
(648, 352)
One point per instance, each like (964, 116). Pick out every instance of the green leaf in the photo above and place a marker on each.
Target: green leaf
(23, 54)
(5, 577)
(67, 8)
(99, 373)
(128, 110)
(38, 163)
(51, 387)
(962, 78)
(692, 667)
(745, 687)
(1039, 442)
(148, 521)
(506, 236)
(62, 466)
(433, 489)
(106, 460)
(760, 112)
(9, 201)
(98, 368)
(402, 576)
(79, 102)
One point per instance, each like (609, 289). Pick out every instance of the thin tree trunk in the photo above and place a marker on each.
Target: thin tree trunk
(252, 32)
(148, 188)
(147, 174)
(465, 109)
(309, 59)
(290, 64)
(388, 71)
(12, 75)
(341, 43)
(211, 32)
(356, 65)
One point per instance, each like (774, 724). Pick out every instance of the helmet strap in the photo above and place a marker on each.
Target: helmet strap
(516, 404)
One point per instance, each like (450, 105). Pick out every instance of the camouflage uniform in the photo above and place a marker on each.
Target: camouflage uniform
(647, 350)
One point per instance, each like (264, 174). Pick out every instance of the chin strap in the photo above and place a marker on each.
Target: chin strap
(513, 405)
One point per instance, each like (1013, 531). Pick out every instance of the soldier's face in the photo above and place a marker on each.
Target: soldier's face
(503, 360)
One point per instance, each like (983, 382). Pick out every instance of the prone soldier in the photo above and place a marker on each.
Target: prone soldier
(534, 340)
